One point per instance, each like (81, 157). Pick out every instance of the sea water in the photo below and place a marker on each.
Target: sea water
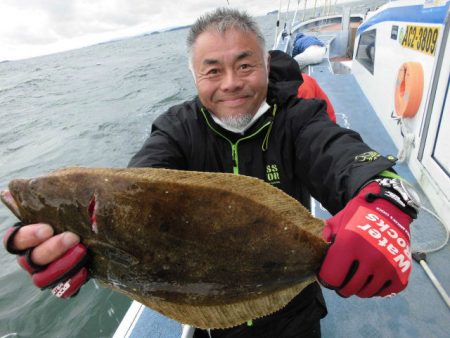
(88, 107)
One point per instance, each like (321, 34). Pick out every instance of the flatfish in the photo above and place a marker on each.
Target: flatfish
(211, 250)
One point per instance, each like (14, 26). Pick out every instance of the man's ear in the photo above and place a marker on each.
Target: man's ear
(268, 63)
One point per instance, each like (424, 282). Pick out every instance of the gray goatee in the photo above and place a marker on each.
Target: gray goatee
(237, 122)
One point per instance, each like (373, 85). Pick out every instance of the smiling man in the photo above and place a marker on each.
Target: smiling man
(231, 74)
(245, 124)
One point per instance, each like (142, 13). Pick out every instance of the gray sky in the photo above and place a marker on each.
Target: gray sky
(37, 27)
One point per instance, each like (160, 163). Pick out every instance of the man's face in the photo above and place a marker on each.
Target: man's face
(230, 72)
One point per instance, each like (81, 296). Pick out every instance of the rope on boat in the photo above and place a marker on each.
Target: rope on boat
(446, 229)
(408, 141)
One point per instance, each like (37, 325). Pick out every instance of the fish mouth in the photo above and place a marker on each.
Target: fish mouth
(8, 199)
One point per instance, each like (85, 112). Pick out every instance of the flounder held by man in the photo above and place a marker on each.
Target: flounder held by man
(212, 250)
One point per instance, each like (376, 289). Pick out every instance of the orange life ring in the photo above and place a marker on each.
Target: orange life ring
(408, 89)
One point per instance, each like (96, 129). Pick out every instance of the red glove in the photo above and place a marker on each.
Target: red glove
(64, 276)
(369, 253)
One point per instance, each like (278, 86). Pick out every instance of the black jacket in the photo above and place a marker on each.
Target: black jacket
(294, 146)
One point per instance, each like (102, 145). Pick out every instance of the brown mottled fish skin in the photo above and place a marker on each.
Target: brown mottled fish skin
(207, 249)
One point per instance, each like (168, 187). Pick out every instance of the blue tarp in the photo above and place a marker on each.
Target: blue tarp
(303, 41)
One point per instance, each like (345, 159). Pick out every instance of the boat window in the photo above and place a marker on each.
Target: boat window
(366, 49)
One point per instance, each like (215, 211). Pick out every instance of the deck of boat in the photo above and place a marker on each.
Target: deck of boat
(415, 313)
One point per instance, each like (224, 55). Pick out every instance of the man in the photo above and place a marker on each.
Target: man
(245, 124)
(283, 68)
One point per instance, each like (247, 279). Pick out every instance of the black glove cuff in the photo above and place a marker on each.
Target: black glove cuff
(392, 196)
(33, 265)
(9, 242)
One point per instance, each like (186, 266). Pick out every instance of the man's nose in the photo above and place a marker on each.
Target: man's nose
(231, 81)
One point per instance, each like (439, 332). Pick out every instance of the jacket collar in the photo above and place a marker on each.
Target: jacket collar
(205, 114)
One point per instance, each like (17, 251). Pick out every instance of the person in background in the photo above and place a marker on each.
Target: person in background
(310, 89)
(284, 68)
(243, 100)
(308, 50)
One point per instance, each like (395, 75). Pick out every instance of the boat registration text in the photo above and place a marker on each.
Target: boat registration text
(420, 38)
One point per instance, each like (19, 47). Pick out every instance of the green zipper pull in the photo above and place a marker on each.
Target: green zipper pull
(265, 144)
(234, 156)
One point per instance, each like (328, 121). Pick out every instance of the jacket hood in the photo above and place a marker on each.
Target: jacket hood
(284, 77)
(283, 67)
